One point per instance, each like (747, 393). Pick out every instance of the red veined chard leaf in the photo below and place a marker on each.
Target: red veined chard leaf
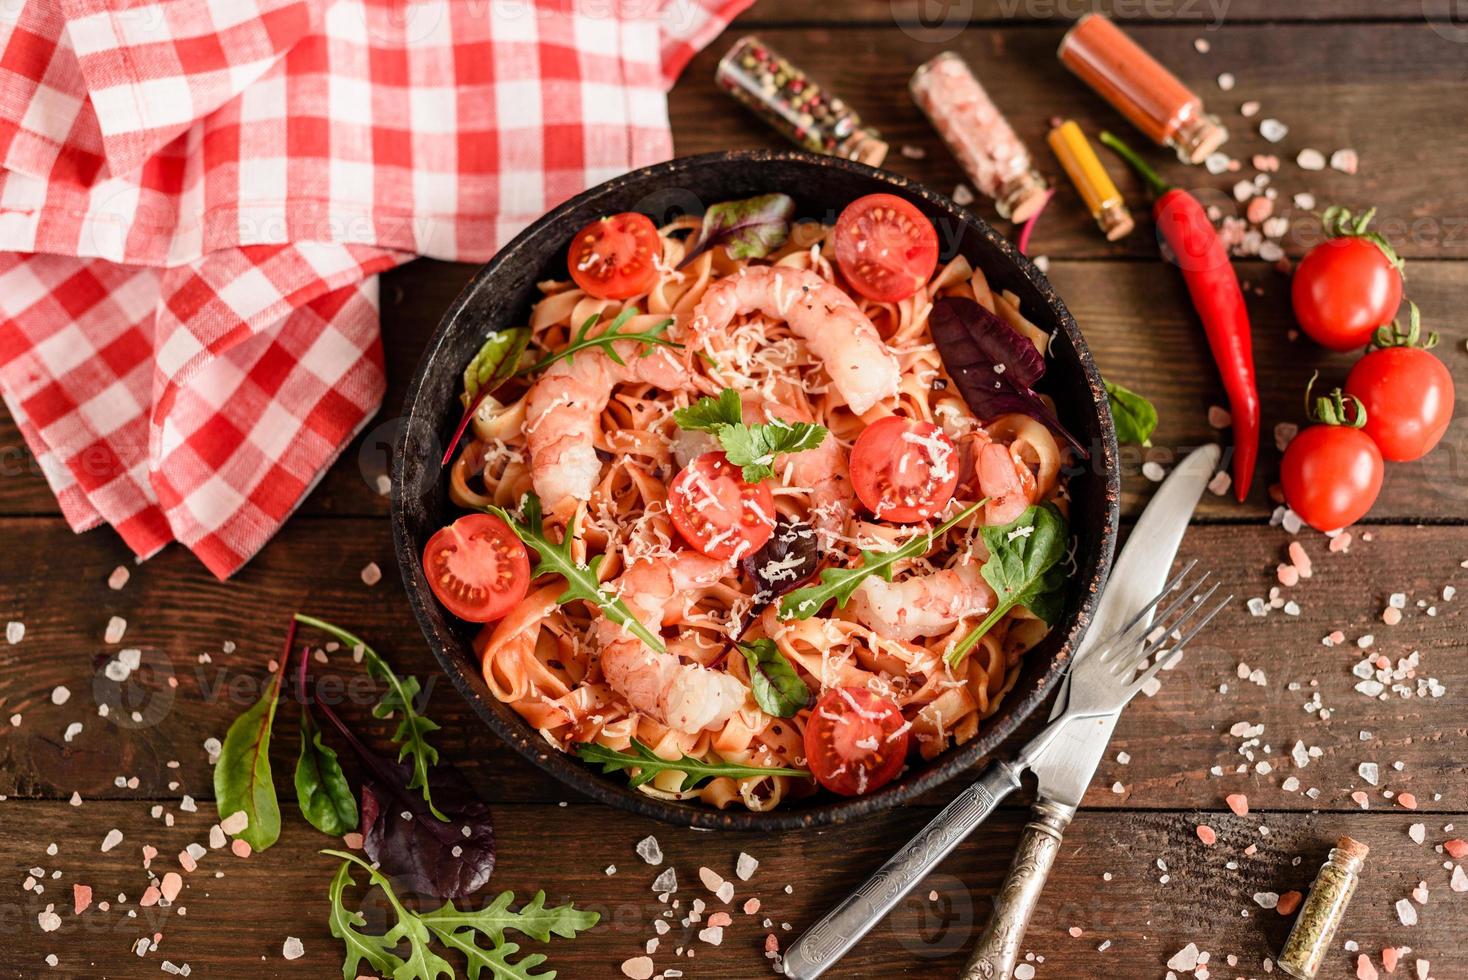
(994, 365)
(748, 229)
(491, 367)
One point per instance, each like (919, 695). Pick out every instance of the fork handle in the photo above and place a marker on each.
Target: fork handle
(828, 940)
(998, 949)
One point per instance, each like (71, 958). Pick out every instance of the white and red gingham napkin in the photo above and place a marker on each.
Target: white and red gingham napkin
(196, 196)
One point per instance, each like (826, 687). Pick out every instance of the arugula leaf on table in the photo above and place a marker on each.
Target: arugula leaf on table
(777, 688)
(752, 447)
(581, 580)
(748, 229)
(322, 790)
(840, 583)
(650, 763)
(491, 367)
(242, 777)
(1135, 416)
(651, 338)
(1024, 569)
(453, 928)
(400, 698)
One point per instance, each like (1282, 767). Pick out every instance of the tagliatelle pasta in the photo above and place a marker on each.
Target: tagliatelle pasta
(545, 659)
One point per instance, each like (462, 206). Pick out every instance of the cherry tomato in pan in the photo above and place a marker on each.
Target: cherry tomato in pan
(1331, 472)
(904, 470)
(1407, 394)
(855, 741)
(1347, 286)
(885, 247)
(717, 512)
(616, 257)
(477, 567)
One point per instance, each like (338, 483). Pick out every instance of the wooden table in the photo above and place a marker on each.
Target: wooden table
(1387, 78)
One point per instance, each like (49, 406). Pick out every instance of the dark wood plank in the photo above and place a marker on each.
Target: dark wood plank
(176, 612)
(1335, 85)
(237, 924)
(940, 18)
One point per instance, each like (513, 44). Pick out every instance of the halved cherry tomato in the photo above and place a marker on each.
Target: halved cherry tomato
(904, 470)
(885, 247)
(717, 512)
(616, 257)
(855, 741)
(477, 567)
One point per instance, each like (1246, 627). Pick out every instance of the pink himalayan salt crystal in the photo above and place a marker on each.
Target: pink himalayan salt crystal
(187, 862)
(1389, 957)
(638, 968)
(1364, 969)
(353, 841)
(81, 897)
(149, 853)
(1407, 800)
(1288, 902)
(1300, 559)
(1251, 850)
(240, 847)
(772, 943)
(1341, 542)
(751, 906)
(150, 897)
(1207, 834)
(1260, 208)
(721, 919)
(1266, 162)
(1362, 800)
(1238, 803)
(1288, 575)
(1391, 615)
(1218, 417)
(235, 822)
(1075, 932)
(1457, 848)
(172, 885)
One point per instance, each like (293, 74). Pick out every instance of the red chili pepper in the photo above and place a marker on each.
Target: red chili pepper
(1214, 287)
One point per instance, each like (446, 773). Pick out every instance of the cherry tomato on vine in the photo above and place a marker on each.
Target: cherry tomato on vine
(855, 741)
(885, 247)
(1331, 473)
(616, 257)
(717, 512)
(1347, 286)
(904, 470)
(1406, 391)
(477, 567)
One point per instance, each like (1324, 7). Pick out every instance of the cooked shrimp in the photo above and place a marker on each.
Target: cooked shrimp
(922, 605)
(687, 697)
(563, 407)
(862, 367)
(821, 470)
(1009, 485)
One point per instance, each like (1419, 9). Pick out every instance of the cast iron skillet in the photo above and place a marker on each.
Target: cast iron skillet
(500, 296)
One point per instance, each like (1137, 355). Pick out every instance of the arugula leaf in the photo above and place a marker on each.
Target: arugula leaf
(490, 368)
(581, 580)
(650, 764)
(752, 447)
(1024, 569)
(453, 928)
(242, 776)
(322, 790)
(778, 689)
(748, 229)
(651, 338)
(400, 698)
(1135, 416)
(840, 583)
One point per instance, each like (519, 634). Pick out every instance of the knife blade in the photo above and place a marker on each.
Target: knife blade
(1065, 766)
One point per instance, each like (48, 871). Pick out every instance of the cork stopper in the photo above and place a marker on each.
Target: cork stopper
(1352, 848)
(868, 148)
(1022, 197)
(1199, 138)
(1116, 221)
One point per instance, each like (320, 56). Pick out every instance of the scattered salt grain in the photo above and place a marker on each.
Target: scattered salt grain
(1288, 903)
(650, 850)
(1311, 159)
(116, 627)
(118, 578)
(745, 866)
(1153, 471)
(1219, 417)
(14, 632)
(1238, 803)
(1345, 160)
(1201, 45)
(60, 695)
(48, 920)
(1370, 772)
(1418, 833)
(113, 838)
(1266, 900)
(1226, 82)
(1406, 912)
(235, 822)
(371, 574)
(1185, 959)
(666, 883)
(1459, 881)
(1273, 130)
(1207, 834)
(1220, 483)
(1024, 971)
(962, 196)
(293, 949)
(1216, 163)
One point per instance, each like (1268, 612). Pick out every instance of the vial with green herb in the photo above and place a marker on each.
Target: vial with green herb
(1315, 928)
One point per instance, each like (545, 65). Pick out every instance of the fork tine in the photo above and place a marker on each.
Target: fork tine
(1124, 636)
(1185, 597)
(1195, 603)
(1151, 672)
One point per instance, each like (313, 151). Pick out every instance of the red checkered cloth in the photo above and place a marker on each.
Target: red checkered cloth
(196, 197)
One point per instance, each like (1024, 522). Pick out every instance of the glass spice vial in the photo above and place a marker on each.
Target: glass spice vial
(1092, 181)
(1314, 930)
(978, 135)
(1156, 102)
(773, 88)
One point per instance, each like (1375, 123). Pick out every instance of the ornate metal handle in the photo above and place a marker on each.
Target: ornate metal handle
(998, 949)
(828, 940)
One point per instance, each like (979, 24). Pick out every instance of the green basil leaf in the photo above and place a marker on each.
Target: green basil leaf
(322, 789)
(1135, 416)
(778, 689)
(242, 777)
(748, 229)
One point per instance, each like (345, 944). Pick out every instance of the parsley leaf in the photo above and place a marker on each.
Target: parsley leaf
(751, 447)
(1024, 569)
(778, 689)
(581, 580)
(840, 583)
(649, 764)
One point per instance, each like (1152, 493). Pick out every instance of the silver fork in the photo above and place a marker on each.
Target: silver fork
(1064, 756)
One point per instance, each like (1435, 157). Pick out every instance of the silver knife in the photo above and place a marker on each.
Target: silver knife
(1064, 757)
